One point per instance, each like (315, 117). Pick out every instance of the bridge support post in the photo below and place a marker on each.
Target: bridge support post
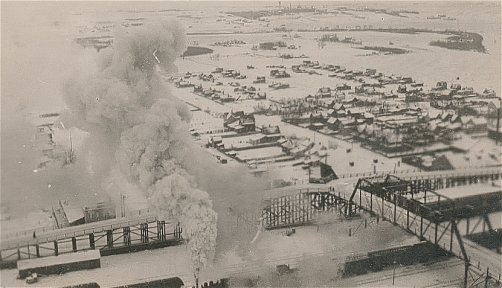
(92, 243)
(37, 250)
(383, 207)
(408, 213)
(466, 272)
(74, 244)
(436, 232)
(395, 209)
(127, 235)
(487, 277)
(421, 227)
(161, 230)
(109, 238)
(360, 198)
(56, 252)
(19, 254)
(144, 232)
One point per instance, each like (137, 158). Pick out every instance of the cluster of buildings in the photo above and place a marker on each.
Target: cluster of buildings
(389, 114)
(219, 95)
(243, 141)
(271, 45)
(385, 109)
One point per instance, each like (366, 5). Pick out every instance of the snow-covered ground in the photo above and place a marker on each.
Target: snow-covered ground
(38, 221)
(271, 248)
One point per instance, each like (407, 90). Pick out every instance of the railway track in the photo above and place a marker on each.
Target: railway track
(412, 270)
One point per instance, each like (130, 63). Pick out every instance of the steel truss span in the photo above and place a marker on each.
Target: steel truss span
(412, 203)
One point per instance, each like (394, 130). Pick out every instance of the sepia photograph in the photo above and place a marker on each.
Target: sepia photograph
(215, 144)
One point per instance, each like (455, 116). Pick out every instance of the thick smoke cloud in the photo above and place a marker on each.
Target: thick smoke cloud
(127, 109)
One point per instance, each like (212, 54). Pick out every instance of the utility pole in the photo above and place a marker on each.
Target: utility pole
(394, 273)
(497, 132)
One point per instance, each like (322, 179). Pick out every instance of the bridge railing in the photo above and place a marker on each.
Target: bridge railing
(74, 231)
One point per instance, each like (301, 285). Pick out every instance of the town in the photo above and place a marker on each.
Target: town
(278, 144)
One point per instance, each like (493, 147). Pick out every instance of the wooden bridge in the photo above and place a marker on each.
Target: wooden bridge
(110, 237)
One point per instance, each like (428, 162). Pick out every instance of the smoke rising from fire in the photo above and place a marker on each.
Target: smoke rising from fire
(127, 109)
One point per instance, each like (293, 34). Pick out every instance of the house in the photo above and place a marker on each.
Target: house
(429, 162)
(239, 122)
(316, 126)
(475, 124)
(445, 116)
(45, 124)
(359, 89)
(279, 74)
(331, 123)
(455, 118)
(258, 139)
(216, 141)
(433, 114)
(183, 84)
(356, 113)
(336, 106)
(320, 172)
(442, 85)
(370, 72)
(272, 133)
(368, 118)
(341, 124)
(323, 92)
(259, 79)
(316, 117)
(341, 87)
(350, 100)
(268, 46)
(455, 86)
(99, 212)
(287, 146)
(406, 80)
(301, 149)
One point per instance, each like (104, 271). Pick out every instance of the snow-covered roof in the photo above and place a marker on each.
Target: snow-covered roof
(60, 259)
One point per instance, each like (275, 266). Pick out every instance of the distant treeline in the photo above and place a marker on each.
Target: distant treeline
(385, 49)
(265, 13)
(462, 41)
(196, 50)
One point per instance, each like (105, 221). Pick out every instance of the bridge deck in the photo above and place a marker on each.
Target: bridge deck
(74, 231)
